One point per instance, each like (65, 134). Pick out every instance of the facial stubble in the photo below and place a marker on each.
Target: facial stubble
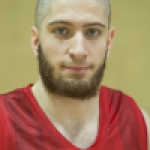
(75, 89)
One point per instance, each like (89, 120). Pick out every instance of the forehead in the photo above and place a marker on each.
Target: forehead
(77, 11)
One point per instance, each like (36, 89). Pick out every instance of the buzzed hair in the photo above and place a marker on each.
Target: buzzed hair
(41, 11)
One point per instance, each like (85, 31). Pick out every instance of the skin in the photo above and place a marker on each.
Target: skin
(74, 118)
(147, 121)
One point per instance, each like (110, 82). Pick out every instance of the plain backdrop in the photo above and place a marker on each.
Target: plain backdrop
(128, 67)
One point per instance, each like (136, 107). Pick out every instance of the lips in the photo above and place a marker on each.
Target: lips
(78, 69)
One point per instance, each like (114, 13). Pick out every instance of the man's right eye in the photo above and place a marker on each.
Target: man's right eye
(61, 31)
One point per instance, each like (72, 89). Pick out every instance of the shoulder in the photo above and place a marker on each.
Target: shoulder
(121, 103)
(110, 93)
(11, 102)
(3, 125)
(118, 97)
(16, 94)
(127, 106)
(147, 121)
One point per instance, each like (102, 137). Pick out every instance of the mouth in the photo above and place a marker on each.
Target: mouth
(78, 69)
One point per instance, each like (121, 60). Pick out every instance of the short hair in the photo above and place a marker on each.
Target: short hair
(41, 11)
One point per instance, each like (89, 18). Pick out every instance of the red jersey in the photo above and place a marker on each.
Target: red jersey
(24, 126)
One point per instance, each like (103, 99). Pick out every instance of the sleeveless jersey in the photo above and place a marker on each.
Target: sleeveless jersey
(24, 126)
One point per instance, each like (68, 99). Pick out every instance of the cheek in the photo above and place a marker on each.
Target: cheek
(99, 51)
(54, 46)
(51, 49)
(54, 51)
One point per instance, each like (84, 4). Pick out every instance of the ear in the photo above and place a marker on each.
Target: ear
(110, 40)
(35, 41)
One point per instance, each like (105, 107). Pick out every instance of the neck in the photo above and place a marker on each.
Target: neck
(58, 106)
(66, 112)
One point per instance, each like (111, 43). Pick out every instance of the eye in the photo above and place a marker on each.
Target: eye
(61, 31)
(93, 32)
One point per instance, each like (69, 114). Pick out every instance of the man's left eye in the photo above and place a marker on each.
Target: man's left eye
(92, 32)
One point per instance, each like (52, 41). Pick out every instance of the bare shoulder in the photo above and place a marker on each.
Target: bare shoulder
(147, 120)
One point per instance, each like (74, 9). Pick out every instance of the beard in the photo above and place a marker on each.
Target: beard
(75, 89)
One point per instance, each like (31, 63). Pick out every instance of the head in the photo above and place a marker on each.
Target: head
(72, 40)
(43, 6)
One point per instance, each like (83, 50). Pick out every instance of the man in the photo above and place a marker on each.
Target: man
(68, 109)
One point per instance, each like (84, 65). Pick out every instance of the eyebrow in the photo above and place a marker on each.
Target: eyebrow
(70, 24)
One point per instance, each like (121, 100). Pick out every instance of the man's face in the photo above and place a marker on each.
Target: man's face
(74, 43)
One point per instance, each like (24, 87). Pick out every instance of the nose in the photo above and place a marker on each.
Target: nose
(78, 51)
